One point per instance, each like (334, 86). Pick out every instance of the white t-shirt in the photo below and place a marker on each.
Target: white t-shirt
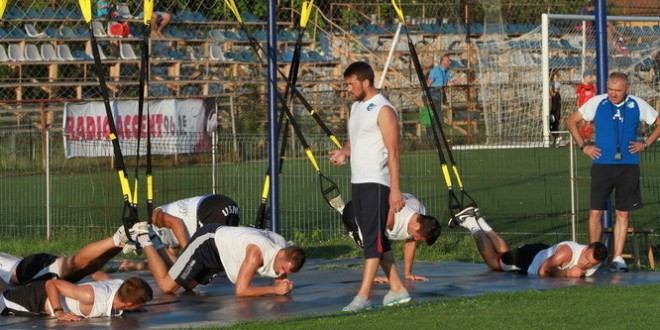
(399, 231)
(576, 250)
(368, 152)
(232, 245)
(104, 294)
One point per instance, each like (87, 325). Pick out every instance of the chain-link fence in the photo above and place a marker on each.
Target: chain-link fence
(203, 53)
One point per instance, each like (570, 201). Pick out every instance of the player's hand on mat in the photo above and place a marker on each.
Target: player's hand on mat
(412, 277)
(592, 151)
(381, 279)
(575, 272)
(62, 316)
(283, 287)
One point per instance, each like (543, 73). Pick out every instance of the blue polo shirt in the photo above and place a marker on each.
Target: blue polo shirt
(440, 76)
(617, 124)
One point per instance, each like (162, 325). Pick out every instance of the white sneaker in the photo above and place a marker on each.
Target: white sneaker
(618, 265)
(357, 304)
(469, 223)
(457, 219)
(394, 298)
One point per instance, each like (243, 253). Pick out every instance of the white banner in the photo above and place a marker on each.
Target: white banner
(175, 126)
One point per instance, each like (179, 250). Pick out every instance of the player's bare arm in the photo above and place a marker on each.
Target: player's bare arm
(551, 266)
(387, 122)
(244, 288)
(84, 294)
(162, 219)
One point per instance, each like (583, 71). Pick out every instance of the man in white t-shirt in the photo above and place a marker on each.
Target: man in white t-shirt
(410, 224)
(565, 259)
(71, 302)
(241, 252)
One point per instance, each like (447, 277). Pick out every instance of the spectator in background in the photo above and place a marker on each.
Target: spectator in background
(586, 90)
(439, 77)
(102, 9)
(555, 106)
(159, 21)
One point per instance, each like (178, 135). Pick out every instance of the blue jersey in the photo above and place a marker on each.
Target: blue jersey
(440, 76)
(616, 126)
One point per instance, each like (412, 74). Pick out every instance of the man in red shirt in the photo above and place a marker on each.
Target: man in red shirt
(585, 91)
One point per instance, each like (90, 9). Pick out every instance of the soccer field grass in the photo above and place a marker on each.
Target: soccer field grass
(525, 192)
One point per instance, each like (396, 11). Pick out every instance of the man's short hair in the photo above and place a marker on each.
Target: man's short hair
(619, 76)
(135, 290)
(430, 228)
(296, 256)
(600, 250)
(361, 70)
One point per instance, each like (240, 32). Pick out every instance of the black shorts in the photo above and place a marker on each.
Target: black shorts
(200, 260)
(523, 256)
(218, 209)
(31, 265)
(27, 300)
(371, 204)
(624, 179)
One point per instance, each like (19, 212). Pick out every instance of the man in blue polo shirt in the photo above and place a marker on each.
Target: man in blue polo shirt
(438, 78)
(615, 153)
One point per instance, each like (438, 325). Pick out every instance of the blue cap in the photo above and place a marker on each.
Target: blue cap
(587, 73)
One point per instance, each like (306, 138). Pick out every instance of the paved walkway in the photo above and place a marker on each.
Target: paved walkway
(322, 286)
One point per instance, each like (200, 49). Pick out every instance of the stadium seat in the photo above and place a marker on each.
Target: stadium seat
(123, 11)
(52, 32)
(64, 52)
(16, 33)
(48, 52)
(32, 53)
(82, 32)
(260, 35)
(81, 55)
(32, 31)
(3, 54)
(101, 54)
(217, 34)
(127, 53)
(216, 53)
(13, 13)
(31, 13)
(249, 17)
(99, 29)
(14, 53)
(47, 13)
(68, 33)
(287, 56)
(3, 33)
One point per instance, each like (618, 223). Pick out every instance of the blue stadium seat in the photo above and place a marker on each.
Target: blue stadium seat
(82, 32)
(358, 29)
(249, 17)
(287, 56)
(159, 90)
(374, 29)
(232, 56)
(260, 35)
(565, 44)
(248, 56)
(315, 56)
(3, 33)
(216, 88)
(47, 13)
(51, 32)
(13, 13)
(217, 34)
(286, 35)
(31, 13)
(16, 33)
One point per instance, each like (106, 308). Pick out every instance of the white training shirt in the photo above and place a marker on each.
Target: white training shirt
(104, 294)
(8, 264)
(232, 243)
(399, 231)
(368, 152)
(186, 210)
(576, 250)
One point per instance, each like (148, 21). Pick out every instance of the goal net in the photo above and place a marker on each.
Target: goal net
(511, 73)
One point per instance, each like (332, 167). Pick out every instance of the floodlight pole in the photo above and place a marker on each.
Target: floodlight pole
(273, 156)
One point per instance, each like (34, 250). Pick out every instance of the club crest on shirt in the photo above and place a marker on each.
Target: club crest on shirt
(371, 106)
(630, 105)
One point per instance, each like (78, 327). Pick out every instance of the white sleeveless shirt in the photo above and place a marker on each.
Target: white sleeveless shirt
(232, 245)
(104, 294)
(368, 152)
(8, 264)
(399, 231)
(576, 250)
(186, 210)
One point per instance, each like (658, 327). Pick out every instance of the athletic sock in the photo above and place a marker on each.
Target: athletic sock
(116, 239)
(470, 223)
(484, 226)
(144, 240)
